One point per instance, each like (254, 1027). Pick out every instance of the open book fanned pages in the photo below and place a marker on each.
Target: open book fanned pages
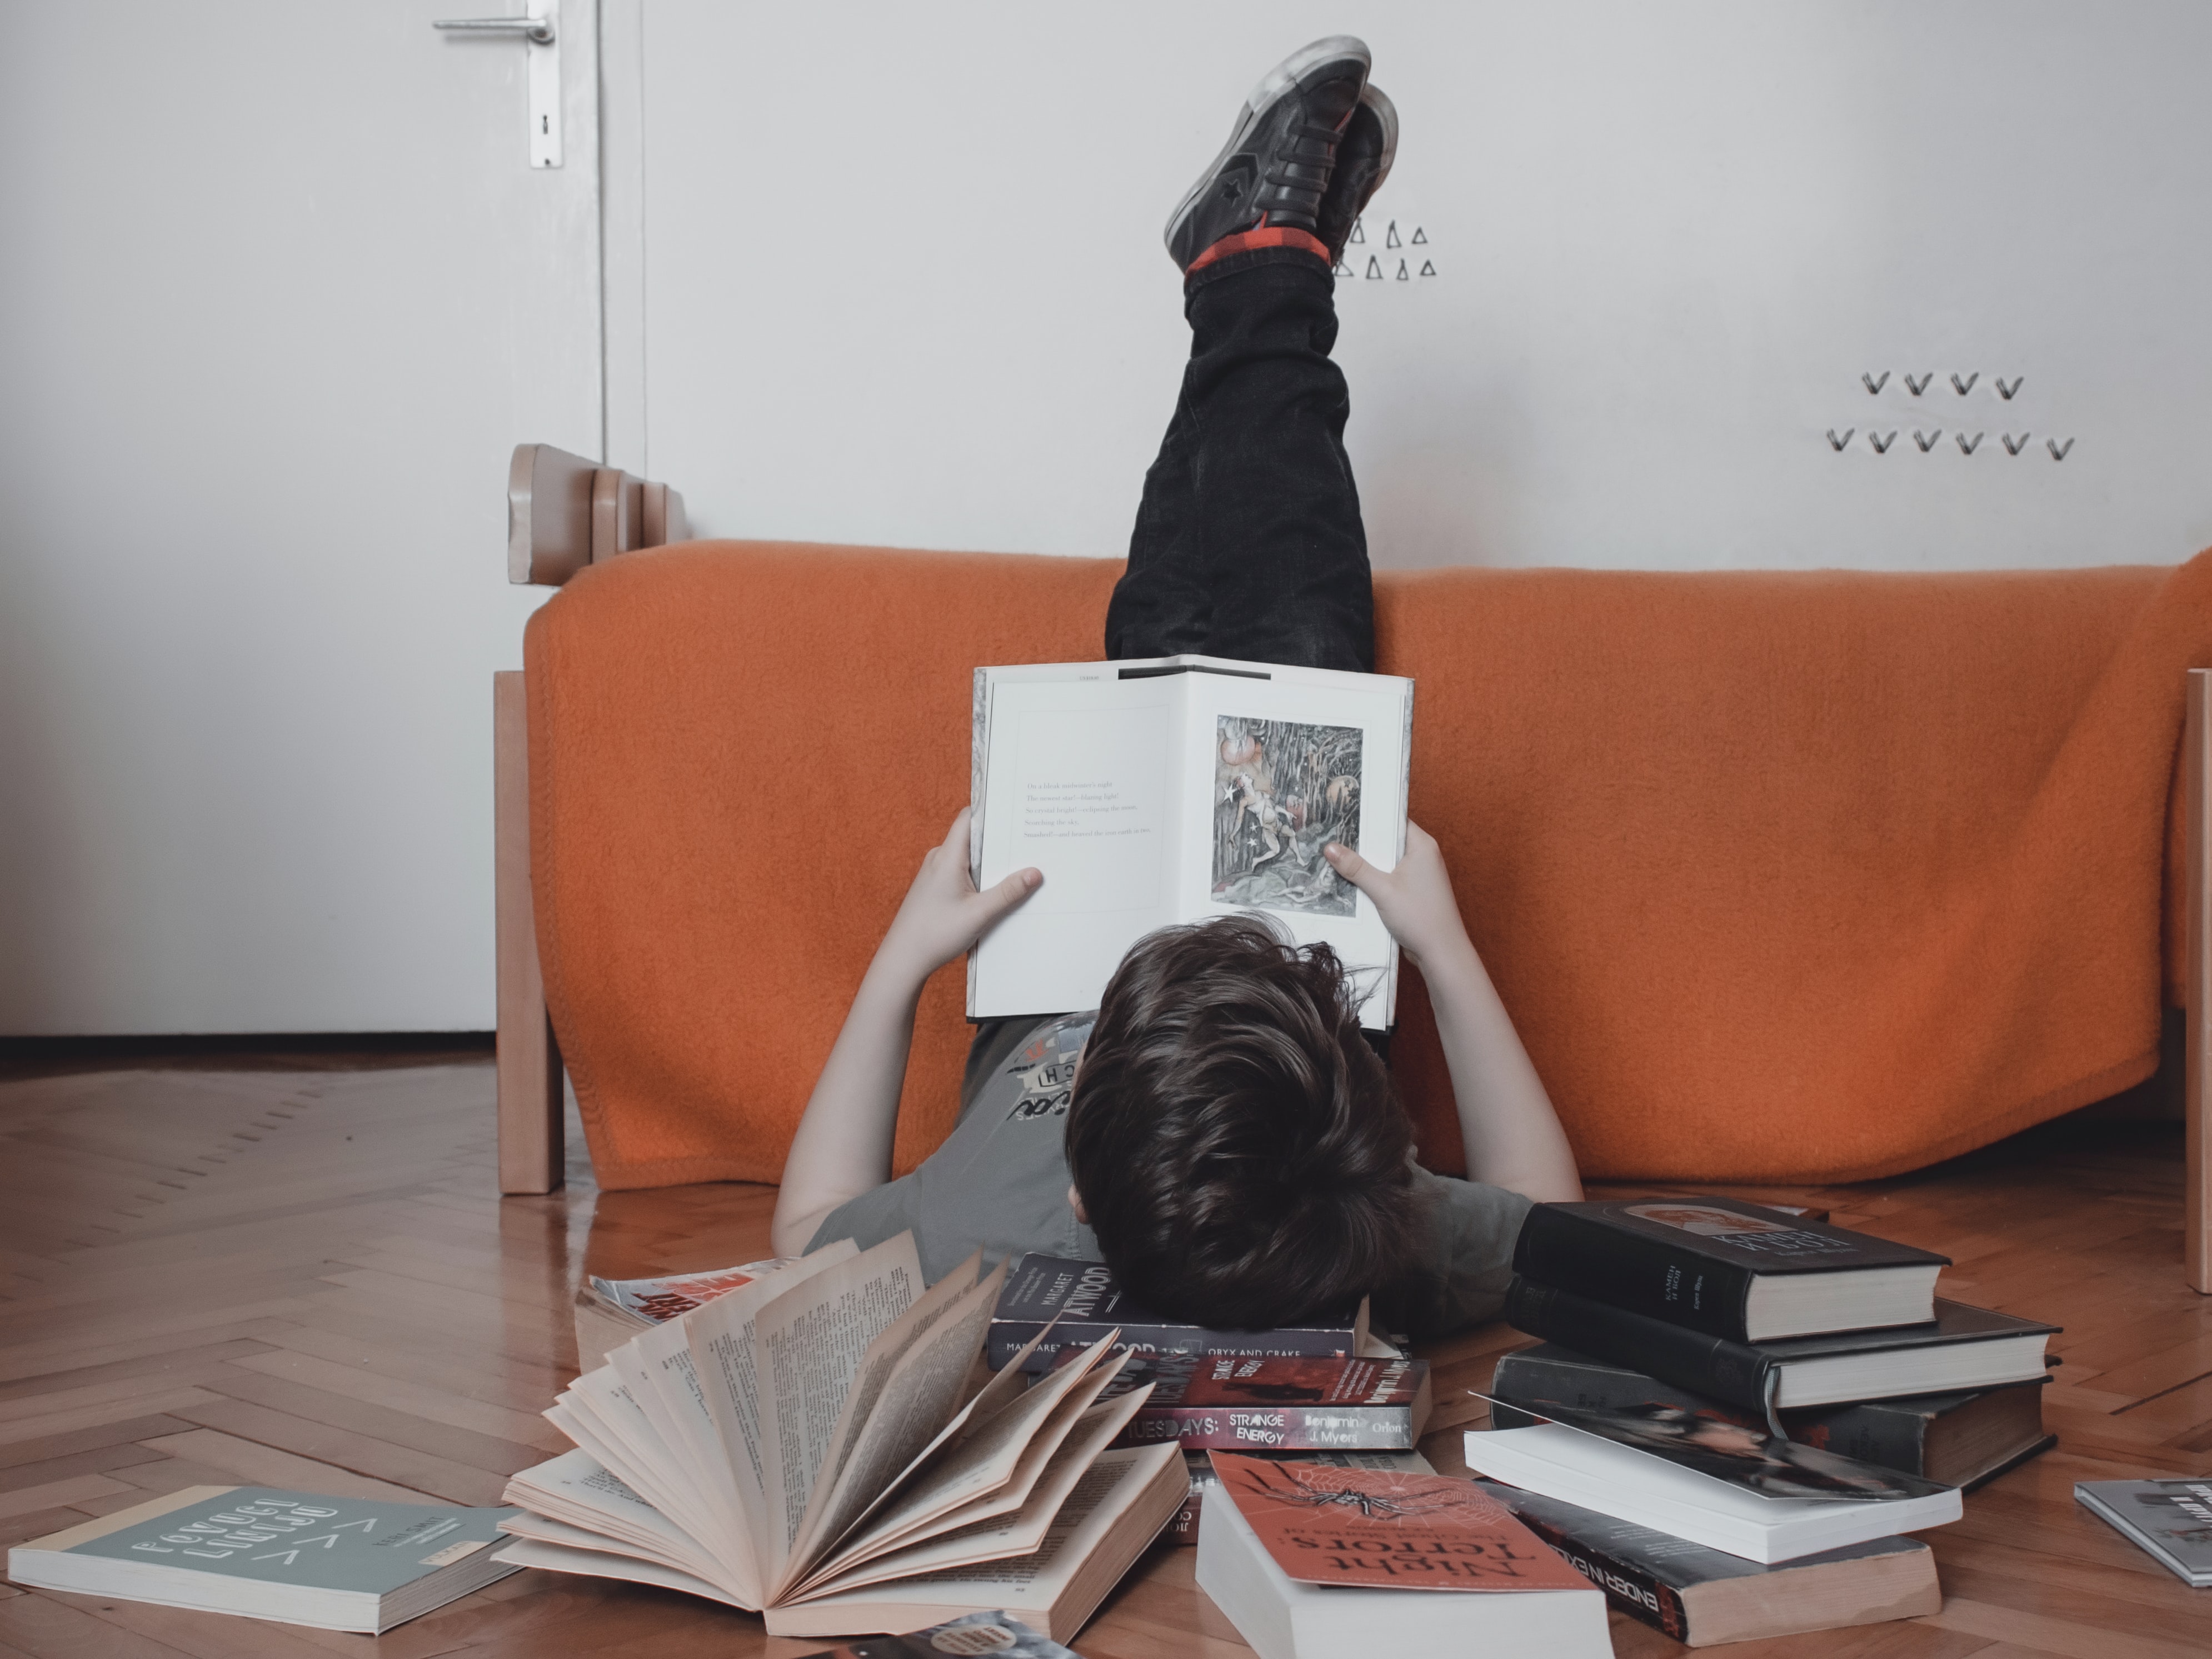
(1174, 789)
(825, 1446)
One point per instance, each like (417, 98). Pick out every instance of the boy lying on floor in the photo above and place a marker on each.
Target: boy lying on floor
(1218, 1132)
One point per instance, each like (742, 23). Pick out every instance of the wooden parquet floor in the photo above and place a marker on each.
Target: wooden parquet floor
(298, 1274)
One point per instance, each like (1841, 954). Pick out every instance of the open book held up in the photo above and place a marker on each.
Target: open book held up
(1171, 789)
(822, 1444)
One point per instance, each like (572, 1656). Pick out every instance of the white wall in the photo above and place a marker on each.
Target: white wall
(279, 295)
(902, 280)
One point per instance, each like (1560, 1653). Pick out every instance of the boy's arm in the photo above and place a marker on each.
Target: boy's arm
(1512, 1136)
(843, 1146)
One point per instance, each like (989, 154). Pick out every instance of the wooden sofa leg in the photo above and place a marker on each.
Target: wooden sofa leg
(530, 1154)
(2196, 788)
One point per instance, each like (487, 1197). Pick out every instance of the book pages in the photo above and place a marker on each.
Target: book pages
(609, 1454)
(663, 1379)
(545, 1530)
(814, 1341)
(999, 1536)
(991, 1472)
(576, 1489)
(915, 1401)
(724, 1340)
(602, 1403)
(591, 1563)
(1112, 1491)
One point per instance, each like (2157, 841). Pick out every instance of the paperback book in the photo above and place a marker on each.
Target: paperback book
(1701, 1596)
(1959, 1439)
(1174, 788)
(1961, 1348)
(1051, 1303)
(335, 1563)
(1183, 1529)
(610, 1311)
(1309, 1562)
(2170, 1521)
(1727, 1267)
(1717, 1484)
(824, 1446)
(1248, 1403)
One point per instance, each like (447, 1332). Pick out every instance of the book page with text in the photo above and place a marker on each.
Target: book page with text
(663, 1378)
(724, 1338)
(914, 1402)
(995, 1537)
(812, 1342)
(989, 1471)
(1083, 785)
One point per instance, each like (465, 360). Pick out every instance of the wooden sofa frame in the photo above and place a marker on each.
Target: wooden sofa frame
(564, 513)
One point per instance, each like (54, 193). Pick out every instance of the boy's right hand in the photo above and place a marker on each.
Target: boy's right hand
(1415, 900)
(943, 914)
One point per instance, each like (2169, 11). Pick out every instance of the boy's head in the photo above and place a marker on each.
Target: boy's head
(1235, 1141)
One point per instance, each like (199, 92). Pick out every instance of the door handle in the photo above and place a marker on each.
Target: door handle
(536, 30)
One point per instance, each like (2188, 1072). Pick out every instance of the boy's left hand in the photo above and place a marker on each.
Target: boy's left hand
(943, 914)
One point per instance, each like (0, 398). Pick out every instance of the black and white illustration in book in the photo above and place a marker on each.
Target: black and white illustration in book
(1284, 790)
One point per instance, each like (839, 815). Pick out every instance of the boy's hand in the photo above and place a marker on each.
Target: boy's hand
(943, 914)
(1414, 900)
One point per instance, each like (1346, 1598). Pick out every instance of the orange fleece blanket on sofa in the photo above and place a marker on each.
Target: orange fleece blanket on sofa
(1798, 876)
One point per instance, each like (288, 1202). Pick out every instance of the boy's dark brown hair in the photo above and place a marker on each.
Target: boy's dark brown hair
(1236, 1142)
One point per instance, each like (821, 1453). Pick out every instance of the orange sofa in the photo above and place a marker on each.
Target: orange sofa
(1784, 877)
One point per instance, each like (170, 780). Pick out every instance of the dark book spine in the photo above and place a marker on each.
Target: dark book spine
(1275, 1428)
(1689, 1359)
(1626, 1586)
(1581, 1253)
(1873, 1433)
(1009, 1335)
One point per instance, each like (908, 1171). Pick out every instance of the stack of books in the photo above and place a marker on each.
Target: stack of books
(1329, 1392)
(1737, 1411)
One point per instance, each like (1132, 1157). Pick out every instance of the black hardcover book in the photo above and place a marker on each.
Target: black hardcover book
(1087, 1303)
(1727, 1267)
(1959, 1439)
(1962, 1348)
(1700, 1596)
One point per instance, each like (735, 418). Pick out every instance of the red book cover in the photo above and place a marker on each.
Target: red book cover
(1384, 1530)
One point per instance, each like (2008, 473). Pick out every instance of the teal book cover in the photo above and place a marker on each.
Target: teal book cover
(296, 1538)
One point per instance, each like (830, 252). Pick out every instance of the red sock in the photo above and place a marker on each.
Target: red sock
(1265, 236)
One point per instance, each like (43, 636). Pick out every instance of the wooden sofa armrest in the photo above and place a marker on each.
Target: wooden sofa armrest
(2197, 794)
(562, 514)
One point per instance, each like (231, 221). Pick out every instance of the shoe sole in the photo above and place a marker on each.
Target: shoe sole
(1272, 86)
(1379, 100)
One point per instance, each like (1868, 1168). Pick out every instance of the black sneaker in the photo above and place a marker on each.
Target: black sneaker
(1275, 168)
(1364, 155)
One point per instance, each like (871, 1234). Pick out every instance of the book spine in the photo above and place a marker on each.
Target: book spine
(1690, 1359)
(1275, 1428)
(1582, 1254)
(1626, 1586)
(1009, 1335)
(1873, 1433)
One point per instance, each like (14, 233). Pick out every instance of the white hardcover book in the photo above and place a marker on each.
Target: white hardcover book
(1282, 1618)
(1577, 1467)
(1173, 789)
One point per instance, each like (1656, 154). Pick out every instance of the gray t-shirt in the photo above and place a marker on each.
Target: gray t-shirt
(999, 1184)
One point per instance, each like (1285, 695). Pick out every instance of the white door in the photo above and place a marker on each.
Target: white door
(281, 290)
(899, 278)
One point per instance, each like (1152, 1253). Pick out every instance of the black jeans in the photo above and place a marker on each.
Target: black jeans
(1248, 542)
